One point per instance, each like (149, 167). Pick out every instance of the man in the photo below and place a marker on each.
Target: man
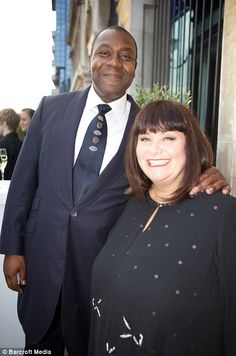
(51, 238)
(9, 121)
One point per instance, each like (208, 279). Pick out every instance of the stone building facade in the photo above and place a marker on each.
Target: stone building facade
(164, 32)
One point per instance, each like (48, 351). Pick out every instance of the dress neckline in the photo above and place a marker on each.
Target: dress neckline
(157, 204)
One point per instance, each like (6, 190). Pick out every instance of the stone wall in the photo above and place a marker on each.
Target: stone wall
(226, 147)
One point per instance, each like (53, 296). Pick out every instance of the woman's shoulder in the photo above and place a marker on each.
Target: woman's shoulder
(215, 203)
(217, 197)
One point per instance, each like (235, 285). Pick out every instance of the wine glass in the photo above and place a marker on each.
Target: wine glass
(3, 160)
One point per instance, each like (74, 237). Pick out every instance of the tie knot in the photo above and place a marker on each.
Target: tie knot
(104, 108)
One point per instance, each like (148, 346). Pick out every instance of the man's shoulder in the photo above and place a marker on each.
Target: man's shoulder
(59, 103)
(66, 97)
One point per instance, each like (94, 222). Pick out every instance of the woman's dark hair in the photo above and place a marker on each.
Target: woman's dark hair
(167, 115)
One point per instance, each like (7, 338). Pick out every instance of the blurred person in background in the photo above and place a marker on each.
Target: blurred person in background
(9, 121)
(25, 119)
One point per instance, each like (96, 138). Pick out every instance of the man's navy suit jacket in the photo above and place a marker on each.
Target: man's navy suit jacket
(40, 211)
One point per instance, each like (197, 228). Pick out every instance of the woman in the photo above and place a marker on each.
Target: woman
(25, 119)
(165, 283)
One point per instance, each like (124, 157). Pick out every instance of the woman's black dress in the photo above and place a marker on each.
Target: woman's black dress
(171, 290)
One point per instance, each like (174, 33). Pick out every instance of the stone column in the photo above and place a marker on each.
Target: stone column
(226, 147)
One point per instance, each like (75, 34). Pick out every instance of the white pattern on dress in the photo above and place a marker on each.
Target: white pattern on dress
(95, 307)
(110, 349)
(138, 340)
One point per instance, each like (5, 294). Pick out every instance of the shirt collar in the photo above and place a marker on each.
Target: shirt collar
(118, 106)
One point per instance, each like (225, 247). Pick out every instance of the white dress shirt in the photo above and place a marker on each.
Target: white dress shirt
(116, 122)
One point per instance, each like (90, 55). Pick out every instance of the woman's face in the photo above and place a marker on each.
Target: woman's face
(25, 120)
(162, 157)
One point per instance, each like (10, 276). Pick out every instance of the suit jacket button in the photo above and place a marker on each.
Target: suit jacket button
(74, 213)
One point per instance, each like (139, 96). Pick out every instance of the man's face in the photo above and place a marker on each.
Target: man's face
(113, 64)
